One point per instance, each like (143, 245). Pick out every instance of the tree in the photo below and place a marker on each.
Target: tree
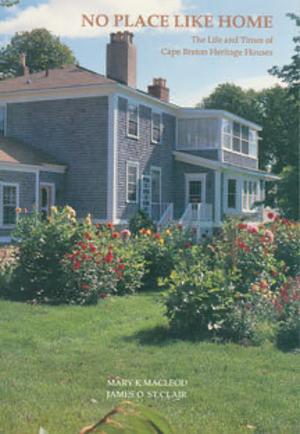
(8, 3)
(43, 51)
(290, 74)
(289, 187)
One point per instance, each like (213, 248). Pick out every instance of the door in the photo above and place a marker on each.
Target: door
(46, 199)
(195, 192)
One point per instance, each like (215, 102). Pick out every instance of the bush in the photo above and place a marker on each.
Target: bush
(161, 251)
(198, 300)
(62, 260)
(287, 244)
(41, 246)
(141, 220)
(287, 305)
(247, 253)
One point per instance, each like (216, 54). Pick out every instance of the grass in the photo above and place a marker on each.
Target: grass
(55, 363)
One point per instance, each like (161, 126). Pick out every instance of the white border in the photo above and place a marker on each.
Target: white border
(137, 165)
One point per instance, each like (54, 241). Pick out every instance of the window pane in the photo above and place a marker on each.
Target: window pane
(231, 198)
(245, 147)
(195, 191)
(236, 129)
(156, 127)
(132, 180)
(227, 141)
(245, 133)
(9, 195)
(236, 144)
(9, 204)
(227, 126)
(132, 119)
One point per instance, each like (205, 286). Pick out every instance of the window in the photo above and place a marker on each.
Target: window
(2, 120)
(9, 199)
(253, 143)
(132, 175)
(239, 138)
(250, 195)
(231, 193)
(47, 199)
(227, 134)
(156, 185)
(132, 120)
(156, 128)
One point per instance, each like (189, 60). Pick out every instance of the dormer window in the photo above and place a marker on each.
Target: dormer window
(156, 128)
(2, 120)
(132, 120)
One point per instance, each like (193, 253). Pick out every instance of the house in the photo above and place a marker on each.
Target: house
(99, 144)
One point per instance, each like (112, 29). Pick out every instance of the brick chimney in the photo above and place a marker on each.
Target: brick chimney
(121, 58)
(159, 89)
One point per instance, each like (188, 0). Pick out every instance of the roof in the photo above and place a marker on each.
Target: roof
(67, 75)
(14, 152)
(214, 164)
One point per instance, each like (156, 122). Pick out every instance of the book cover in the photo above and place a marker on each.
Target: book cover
(149, 217)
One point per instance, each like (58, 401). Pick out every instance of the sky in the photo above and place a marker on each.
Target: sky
(190, 78)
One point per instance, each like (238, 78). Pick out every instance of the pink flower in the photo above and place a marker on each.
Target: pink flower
(252, 229)
(125, 233)
(268, 236)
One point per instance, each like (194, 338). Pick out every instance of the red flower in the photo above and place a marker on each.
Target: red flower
(92, 248)
(85, 286)
(157, 236)
(121, 267)
(110, 226)
(109, 257)
(242, 226)
(76, 265)
(271, 215)
(115, 235)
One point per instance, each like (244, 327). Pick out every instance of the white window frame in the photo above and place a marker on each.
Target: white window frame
(155, 113)
(4, 106)
(238, 208)
(128, 134)
(2, 185)
(136, 165)
(156, 169)
(232, 136)
(250, 198)
(195, 177)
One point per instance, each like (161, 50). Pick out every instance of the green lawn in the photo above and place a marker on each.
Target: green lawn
(55, 362)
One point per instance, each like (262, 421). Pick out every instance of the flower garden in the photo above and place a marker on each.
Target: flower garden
(243, 285)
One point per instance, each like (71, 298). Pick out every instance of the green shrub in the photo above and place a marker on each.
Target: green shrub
(41, 246)
(287, 305)
(61, 260)
(141, 220)
(198, 300)
(162, 251)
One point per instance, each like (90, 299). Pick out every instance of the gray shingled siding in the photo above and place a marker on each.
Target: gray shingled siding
(26, 183)
(75, 132)
(209, 154)
(180, 169)
(240, 160)
(141, 150)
